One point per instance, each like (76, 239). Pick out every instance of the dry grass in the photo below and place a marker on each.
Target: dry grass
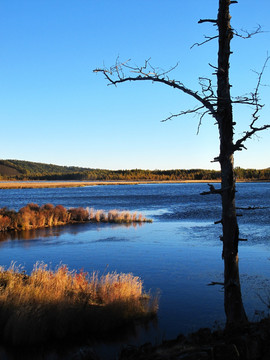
(116, 216)
(62, 184)
(62, 304)
(65, 183)
(33, 216)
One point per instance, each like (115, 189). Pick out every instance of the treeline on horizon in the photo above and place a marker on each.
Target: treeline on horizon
(26, 170)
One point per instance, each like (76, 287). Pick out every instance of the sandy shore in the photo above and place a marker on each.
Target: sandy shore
(63, 184)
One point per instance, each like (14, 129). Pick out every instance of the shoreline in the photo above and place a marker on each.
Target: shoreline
(28, 184)
(32, 184)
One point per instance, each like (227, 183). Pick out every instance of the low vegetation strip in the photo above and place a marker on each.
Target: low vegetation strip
(33, 216)
(68, 184)
(40, 184)
(48, 306)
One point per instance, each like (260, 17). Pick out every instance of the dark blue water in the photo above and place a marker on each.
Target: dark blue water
(178, 201)
(179, 253)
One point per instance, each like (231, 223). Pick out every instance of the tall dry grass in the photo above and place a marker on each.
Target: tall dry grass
(33, 216)
(64, 304)
(116, 216)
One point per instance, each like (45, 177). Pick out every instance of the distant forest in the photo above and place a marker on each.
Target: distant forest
(26, 170)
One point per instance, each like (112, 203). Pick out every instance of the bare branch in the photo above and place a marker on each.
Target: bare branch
(200, 121)
(190, 111)
(208, 20)
(185, 112)
(216, 159)
(246, 34)
(248, 134)
(212, 190)
(214, 67)
(207, 88)
(245, 100)
(208, 38)
(168, 71)
(218, 222)
(115, 75)
(254, 101)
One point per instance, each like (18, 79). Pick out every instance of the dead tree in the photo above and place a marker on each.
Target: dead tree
(217, 103)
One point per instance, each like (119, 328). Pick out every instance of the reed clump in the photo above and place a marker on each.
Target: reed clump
(33, 216)
(48, 306)
(116, 216)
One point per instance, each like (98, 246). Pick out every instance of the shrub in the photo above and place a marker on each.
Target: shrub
(79, 214)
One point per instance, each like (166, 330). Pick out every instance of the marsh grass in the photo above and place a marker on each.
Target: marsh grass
(48, 306)
(116, 216)
(33, 216)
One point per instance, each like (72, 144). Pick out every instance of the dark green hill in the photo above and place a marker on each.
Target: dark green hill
(27, 170)
(20, 169)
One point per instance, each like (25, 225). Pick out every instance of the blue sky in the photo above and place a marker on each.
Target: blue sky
(54, 109)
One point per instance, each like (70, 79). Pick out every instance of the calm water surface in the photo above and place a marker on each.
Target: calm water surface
(179, 253)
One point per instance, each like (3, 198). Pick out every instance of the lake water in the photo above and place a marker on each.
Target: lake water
(179, 253)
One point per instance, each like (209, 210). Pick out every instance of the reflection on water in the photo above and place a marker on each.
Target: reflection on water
(180, 259)
(29, 234)
(179, 253)
(47, 232)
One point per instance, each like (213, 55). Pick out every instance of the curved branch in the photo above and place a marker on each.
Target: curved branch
(184, 112)
(239, 145)
(146, 74)
(208, 38)
(248, 34)
(254, 101)
(200, 122)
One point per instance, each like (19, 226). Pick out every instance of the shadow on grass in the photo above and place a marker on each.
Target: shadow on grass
(49, 307)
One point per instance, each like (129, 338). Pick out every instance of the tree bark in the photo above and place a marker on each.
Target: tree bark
(233, 304)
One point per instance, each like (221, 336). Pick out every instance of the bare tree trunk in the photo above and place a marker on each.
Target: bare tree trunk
(221, 110)
(234, 308)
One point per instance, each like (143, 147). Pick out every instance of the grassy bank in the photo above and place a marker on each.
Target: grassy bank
(33, 216)
(67, 184)
(49, 306)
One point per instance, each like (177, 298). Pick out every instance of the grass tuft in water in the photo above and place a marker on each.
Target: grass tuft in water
(48, 306)
(33, 216)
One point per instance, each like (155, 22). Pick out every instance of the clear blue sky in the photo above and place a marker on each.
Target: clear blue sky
(54, 109)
